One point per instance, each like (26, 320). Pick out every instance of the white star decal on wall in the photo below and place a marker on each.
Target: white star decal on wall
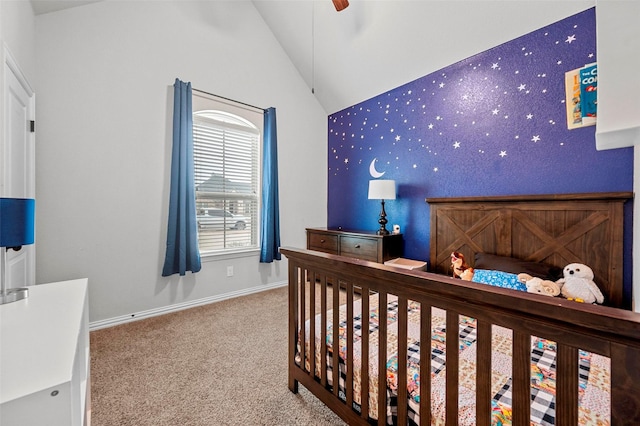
(536, 138)
(503, 154)
(570, 39)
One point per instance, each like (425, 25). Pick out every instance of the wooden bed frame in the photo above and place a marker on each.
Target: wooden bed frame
(557, 229)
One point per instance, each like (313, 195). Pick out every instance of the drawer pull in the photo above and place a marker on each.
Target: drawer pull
(322, 241)
(357, 245)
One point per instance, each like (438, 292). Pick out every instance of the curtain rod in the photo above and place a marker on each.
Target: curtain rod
(228, 99)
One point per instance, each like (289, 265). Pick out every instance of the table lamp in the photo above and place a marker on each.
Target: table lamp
(382, 190)
(17, 223)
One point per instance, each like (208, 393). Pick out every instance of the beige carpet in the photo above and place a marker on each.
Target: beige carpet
(220, 364)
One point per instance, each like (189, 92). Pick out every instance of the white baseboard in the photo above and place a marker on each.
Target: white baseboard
(110, 322)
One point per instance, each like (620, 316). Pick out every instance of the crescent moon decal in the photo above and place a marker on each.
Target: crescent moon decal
(372, 170)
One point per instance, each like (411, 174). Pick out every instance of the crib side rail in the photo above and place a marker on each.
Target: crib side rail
(610, 332)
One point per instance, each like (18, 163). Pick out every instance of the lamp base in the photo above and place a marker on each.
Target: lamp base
(13, 295)
(382, 221)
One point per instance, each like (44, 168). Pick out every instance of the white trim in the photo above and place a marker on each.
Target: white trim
(110, 322)
(10, 62)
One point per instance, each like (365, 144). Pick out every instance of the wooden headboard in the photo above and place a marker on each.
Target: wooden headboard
(552, 229)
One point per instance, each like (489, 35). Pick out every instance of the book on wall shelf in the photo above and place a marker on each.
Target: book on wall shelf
(581, 89)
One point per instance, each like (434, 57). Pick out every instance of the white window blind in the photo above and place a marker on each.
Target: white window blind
(226, 157)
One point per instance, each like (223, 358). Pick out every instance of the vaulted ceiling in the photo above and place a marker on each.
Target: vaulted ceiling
(373, 46)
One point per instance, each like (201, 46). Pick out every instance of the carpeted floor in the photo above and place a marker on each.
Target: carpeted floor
(219, 364)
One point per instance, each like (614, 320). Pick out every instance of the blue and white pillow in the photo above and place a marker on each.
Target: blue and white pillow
(498, 279)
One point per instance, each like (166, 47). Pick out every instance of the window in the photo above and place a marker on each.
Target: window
(226, 140)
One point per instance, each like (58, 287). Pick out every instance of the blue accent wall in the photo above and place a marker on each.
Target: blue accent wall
(492, 124)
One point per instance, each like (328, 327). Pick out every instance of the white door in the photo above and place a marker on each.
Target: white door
(18, 162)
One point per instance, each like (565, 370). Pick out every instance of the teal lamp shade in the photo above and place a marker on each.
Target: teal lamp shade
(17, 222)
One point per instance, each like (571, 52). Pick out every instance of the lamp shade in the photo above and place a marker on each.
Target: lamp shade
(382, 189)
(17, 221)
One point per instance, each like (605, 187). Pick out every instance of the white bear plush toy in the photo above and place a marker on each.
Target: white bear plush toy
(578, 284)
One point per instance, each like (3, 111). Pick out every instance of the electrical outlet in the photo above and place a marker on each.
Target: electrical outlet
(229, 271)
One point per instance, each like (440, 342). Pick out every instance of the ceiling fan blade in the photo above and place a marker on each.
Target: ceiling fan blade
(340, 4)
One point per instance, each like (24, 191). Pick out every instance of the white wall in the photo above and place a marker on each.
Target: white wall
(17, 31)
(104, 136)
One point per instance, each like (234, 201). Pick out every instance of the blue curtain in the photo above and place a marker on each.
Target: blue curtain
(182, 234)
(270, 215)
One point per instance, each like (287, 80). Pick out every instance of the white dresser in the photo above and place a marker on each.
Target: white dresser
(44, 357)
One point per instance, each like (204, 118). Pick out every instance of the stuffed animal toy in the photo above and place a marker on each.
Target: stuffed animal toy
(467, 274)
(578, 284)
(539, 286)
(460, 267)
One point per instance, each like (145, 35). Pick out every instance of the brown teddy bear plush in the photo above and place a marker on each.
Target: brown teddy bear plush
(539, 286)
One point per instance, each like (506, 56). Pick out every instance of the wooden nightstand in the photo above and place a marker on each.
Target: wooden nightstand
(359, 244)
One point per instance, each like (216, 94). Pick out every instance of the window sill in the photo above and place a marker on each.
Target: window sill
(229, 254)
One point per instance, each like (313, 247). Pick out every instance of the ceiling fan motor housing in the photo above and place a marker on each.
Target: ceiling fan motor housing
(340, 4)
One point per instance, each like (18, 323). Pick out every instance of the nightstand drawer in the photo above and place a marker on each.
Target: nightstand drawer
(323, 242)
(361, 248)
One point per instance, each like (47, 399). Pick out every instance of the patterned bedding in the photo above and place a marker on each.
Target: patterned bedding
(593, 380)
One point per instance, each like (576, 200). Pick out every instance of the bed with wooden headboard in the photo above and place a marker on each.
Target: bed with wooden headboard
(514, 356)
